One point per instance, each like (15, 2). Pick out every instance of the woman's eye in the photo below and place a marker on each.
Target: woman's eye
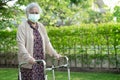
(34, 12)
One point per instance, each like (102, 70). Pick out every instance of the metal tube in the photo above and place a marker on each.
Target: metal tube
(45, 69)
(64, 65)
(68, 67)
(53, 72)
(68, 73)
(19, 74)
(20, 77)
(44, 64)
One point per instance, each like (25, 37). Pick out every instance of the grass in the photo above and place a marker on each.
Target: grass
(11, 74)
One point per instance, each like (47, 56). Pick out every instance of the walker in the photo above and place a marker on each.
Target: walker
(64, 65)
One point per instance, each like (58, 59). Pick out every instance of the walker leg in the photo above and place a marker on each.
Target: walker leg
(20, 77)
(46, 77)
(53, 72)
(68, 73)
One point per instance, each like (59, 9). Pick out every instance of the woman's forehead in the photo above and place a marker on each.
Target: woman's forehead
(34, 9)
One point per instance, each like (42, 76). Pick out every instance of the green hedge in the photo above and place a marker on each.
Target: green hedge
(72, 36)
(8, 41)
(85, 35)
(86, 42)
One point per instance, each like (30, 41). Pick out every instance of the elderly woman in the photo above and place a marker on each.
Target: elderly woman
(33, 43)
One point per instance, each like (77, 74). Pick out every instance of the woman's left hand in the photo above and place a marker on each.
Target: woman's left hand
(58, 56)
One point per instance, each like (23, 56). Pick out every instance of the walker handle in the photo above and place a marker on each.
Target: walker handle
(41, 60)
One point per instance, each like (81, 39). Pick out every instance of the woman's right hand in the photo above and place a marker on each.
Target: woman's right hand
(32, 60)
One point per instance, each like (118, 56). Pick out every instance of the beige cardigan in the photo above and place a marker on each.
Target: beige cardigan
(25, 43)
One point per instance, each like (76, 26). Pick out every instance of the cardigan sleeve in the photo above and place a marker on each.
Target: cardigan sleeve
(23, 53)
(48, 46)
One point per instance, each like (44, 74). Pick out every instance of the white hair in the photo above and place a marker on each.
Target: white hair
(32, 5)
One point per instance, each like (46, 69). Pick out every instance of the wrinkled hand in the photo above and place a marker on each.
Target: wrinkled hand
(32, 61)
(58, 56)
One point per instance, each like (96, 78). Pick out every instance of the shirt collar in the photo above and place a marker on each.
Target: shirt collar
(30, 23)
